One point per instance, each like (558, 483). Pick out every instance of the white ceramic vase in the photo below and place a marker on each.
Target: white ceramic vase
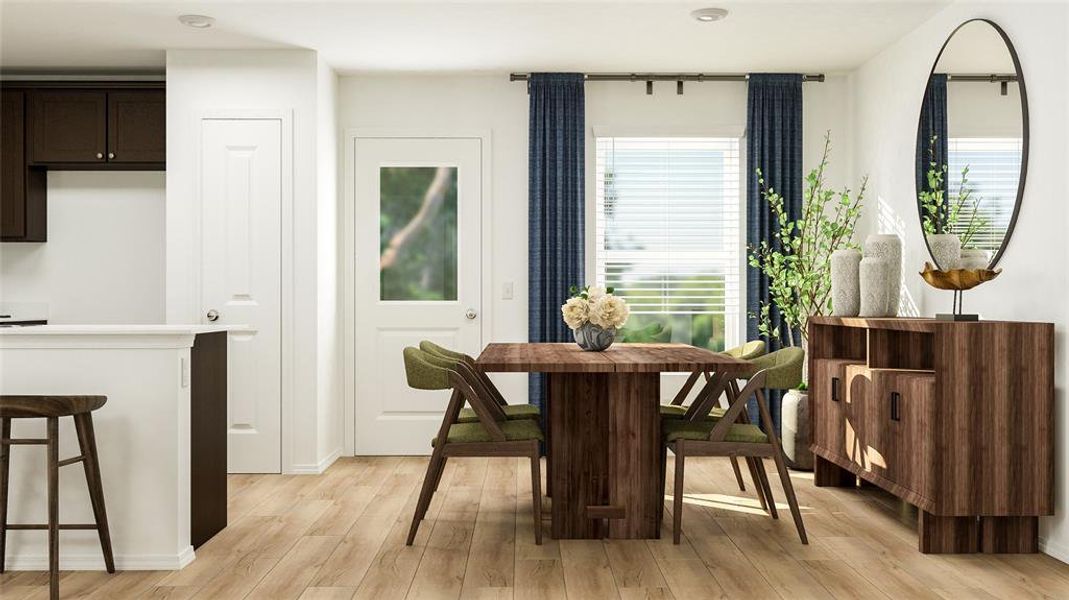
(888, 246)
(845, 284)
(875, 279)
(946, 250)
(974, 258)
(795, 432)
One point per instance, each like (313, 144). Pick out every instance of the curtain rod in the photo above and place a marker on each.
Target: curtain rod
(637, 77)
(992, 78)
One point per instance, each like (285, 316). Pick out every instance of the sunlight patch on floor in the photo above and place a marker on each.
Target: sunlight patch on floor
(750, 506)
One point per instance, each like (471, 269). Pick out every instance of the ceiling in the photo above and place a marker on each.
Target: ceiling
(492, 35)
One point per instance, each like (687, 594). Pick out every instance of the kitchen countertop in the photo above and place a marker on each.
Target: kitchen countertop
(108, 336)
(117, 329)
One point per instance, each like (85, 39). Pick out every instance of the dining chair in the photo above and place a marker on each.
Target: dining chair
(467, 415)
(491, 435)
(727, 437)
(748, 351)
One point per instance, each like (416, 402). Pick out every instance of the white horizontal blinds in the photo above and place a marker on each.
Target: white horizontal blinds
(994, 171)
(667, 233)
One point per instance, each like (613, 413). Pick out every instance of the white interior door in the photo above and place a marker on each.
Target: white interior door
(241, 200)
(417, 274)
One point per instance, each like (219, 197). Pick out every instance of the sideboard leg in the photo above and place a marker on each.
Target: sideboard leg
(1009, 535)
(947, 535)
(829, 474)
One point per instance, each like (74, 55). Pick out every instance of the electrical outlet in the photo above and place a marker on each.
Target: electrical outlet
(506, 290)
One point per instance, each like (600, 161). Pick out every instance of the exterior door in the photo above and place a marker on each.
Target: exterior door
(417, 277)
(241, 200)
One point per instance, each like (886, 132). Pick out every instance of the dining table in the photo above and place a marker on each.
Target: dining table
(601, 418)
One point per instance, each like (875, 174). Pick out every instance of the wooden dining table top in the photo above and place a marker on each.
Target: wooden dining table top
(619, 358)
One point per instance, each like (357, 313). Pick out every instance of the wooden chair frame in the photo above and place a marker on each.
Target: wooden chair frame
(716, 445)
(707, 398)
(469, 387)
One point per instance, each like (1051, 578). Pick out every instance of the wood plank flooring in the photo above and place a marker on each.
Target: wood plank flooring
(340, 536)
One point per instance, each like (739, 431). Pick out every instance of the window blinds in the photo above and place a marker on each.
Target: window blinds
(668, 228)
(994, 170)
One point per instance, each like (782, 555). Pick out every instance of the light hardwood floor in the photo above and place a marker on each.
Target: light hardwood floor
(341, 535)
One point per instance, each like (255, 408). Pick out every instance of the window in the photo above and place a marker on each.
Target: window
(994, 171)
(668, 236)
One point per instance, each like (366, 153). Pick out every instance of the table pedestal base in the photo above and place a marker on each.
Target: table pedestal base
(605, 450)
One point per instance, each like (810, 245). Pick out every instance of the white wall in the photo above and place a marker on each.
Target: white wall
(1033, 286)
(463, 104)
(104, 259)
(199, 81)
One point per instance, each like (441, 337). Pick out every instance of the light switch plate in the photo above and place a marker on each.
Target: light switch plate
(506, 290)
(185, 372)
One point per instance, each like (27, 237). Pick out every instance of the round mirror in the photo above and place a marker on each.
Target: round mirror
(972, 148)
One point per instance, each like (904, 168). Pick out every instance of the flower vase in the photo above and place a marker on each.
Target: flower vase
(974, 258)
(592, 338)
(946, 250)
(888, 246)
(845, 287)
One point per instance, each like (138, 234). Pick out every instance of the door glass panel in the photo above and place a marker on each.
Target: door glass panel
(418, 233)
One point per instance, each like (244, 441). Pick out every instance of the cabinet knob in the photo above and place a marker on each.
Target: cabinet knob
(99, 155)
(111, 155)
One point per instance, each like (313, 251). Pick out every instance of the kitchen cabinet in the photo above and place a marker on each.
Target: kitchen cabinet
(71, 126)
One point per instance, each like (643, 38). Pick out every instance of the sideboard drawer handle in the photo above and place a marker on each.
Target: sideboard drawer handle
(835, 389)
(896, 409)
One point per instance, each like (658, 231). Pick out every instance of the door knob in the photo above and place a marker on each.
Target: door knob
(100, 155)
(471, 313)
(213, 315)
(111, 155)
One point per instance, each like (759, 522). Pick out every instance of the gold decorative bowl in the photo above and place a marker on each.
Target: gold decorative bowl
(957, 279)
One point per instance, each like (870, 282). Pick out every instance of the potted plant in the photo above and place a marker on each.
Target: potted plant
(949, 224)
(594, 314)
(797, 263)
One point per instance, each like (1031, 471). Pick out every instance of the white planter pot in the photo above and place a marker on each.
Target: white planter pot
(795, 434)
(946, 250)
(876, 287)
(973, 258)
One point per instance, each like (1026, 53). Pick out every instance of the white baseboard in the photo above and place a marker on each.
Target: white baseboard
(1054, 550)
(95, 561)
(317, 468)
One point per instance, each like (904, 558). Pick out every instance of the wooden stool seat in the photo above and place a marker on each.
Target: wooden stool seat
(37, 407)
(51, 408)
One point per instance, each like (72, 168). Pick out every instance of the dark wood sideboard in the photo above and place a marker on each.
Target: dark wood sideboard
(956, 419)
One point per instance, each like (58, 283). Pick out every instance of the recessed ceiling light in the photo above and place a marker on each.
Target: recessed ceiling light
(707, 15)
(196, 21)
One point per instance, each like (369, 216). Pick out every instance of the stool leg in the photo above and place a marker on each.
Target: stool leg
(5, 465)
(87, 442)
(53, 507)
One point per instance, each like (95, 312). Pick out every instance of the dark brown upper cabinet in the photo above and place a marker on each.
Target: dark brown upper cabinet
(136, 124)
(69, 126)
(22, 189)
(73, 126)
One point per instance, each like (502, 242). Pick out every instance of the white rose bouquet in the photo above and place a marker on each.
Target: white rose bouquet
(595, 305)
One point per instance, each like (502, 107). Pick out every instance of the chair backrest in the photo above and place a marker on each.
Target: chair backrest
(427, 371)
(748, 351)
(753, 387)
(432, 348)
(784, 368)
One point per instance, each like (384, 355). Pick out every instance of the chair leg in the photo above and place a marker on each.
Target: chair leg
(677, 493)
(781, 466)
(536, 494)
(425, 494)
(770, 500)
(758, 488)
(438, 478)
(53, 508)
(83, 424)
(5, 463)
(738, 473)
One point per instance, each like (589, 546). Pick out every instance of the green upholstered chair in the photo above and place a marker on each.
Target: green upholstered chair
(728, 437)
(467, 415)
(748, 351)
(783, 368)
(491, 434)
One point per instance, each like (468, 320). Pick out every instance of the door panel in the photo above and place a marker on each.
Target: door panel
(69, 126)
(241, 281)
(417, 273)
(137, 126)
(12, 164)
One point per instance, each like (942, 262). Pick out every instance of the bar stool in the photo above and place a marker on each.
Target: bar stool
(52, 408)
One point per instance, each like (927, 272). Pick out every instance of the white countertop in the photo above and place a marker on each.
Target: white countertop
(118, 329)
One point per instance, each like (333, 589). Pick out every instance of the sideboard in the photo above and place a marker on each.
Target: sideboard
(955, 418)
